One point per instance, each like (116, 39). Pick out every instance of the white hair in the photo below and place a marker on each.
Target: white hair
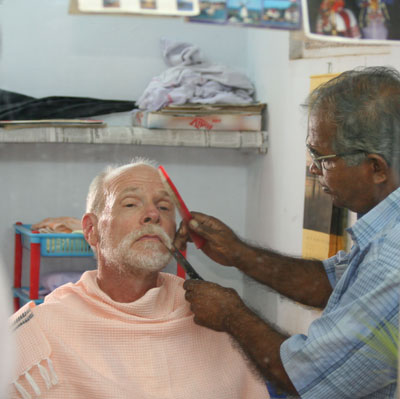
(96, 196)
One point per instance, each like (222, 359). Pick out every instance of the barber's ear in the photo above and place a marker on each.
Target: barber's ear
(380, 168)
(90, 230)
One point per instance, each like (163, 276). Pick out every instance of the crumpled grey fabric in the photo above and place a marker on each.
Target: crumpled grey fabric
(192, 79)
(179, 53)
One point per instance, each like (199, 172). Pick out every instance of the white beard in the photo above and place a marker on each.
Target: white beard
(147, 256)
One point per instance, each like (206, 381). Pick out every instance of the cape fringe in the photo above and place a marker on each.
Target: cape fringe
(49, 377)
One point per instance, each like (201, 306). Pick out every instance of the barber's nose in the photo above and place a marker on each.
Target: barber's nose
(314, 170)
(151, 215)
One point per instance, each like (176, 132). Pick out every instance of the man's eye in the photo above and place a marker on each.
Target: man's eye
(130, 205)
(164, 208)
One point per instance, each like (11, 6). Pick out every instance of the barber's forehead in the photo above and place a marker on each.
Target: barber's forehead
(321, 132)
(321, 123)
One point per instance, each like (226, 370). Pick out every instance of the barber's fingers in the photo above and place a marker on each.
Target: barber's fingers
(200, 288)
(182, 236)
(206, 226)
(198, 295)
(190, 285)
(201, 223)
(196, 287)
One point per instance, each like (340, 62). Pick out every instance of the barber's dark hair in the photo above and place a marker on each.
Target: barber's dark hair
(364, 106)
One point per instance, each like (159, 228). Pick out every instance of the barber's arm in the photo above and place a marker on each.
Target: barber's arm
(302, 280)
(221, 309)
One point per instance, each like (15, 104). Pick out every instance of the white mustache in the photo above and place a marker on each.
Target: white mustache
(149, 230)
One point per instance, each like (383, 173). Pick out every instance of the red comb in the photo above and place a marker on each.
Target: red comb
(183, 209)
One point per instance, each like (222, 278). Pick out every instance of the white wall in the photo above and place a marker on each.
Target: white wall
(47, 52)
(276, 182)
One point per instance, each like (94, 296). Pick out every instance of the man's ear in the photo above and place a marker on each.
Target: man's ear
(379, 168)
(90, 231)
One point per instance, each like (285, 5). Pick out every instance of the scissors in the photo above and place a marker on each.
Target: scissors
(184, 263)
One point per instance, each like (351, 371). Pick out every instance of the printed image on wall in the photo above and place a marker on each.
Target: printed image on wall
(185, 5)
(211, 11)
(148, 4)
(111, 3)
(182, 8)
(244, 11)
(282, 14)
(323, 223)
(358, 20)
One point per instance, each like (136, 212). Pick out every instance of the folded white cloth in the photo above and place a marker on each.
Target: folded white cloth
(192, 79)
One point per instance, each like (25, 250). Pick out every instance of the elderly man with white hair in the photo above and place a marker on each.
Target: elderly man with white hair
(125, 329)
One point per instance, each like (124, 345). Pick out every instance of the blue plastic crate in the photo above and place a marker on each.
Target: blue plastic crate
(54, 244)
(23, 295)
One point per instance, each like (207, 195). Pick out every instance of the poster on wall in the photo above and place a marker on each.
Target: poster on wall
(279, 14)
(150, 7)
(352, 21)
(323, 223)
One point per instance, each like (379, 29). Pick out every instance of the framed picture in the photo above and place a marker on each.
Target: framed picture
(362, 21)
(281, 14)
(152, 7)
(211, 11)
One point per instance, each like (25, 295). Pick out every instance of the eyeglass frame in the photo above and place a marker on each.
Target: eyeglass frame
(317, 160)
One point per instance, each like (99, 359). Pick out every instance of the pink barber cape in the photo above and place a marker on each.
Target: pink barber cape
(81, 344)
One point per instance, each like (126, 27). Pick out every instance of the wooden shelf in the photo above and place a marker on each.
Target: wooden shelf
(138, 136)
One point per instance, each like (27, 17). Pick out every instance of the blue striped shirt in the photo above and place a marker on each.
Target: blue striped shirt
(334, 361)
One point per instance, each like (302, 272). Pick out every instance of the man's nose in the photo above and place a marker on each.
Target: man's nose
(151, 215)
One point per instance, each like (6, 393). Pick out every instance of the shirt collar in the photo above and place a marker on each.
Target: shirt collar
(365, 229)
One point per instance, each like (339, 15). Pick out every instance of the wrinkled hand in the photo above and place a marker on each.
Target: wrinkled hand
(212, 305)
(222, 245)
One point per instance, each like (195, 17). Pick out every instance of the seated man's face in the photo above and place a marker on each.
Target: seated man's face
(138, 217)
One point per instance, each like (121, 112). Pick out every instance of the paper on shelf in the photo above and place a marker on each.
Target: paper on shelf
(137, 136)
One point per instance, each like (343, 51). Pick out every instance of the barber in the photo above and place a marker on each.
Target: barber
(354, 141)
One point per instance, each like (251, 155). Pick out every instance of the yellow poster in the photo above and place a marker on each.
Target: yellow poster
(323, 223)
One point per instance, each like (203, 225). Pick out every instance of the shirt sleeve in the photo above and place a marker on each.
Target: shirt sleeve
(343, 355)
(336, 266)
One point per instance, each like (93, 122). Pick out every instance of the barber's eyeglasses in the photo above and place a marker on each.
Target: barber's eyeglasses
(323, 162)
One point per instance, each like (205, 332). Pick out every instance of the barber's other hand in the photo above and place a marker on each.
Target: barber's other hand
(212, 305)
(222, 245)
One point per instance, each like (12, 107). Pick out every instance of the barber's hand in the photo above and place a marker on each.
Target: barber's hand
(222, 245)
(212, 304)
